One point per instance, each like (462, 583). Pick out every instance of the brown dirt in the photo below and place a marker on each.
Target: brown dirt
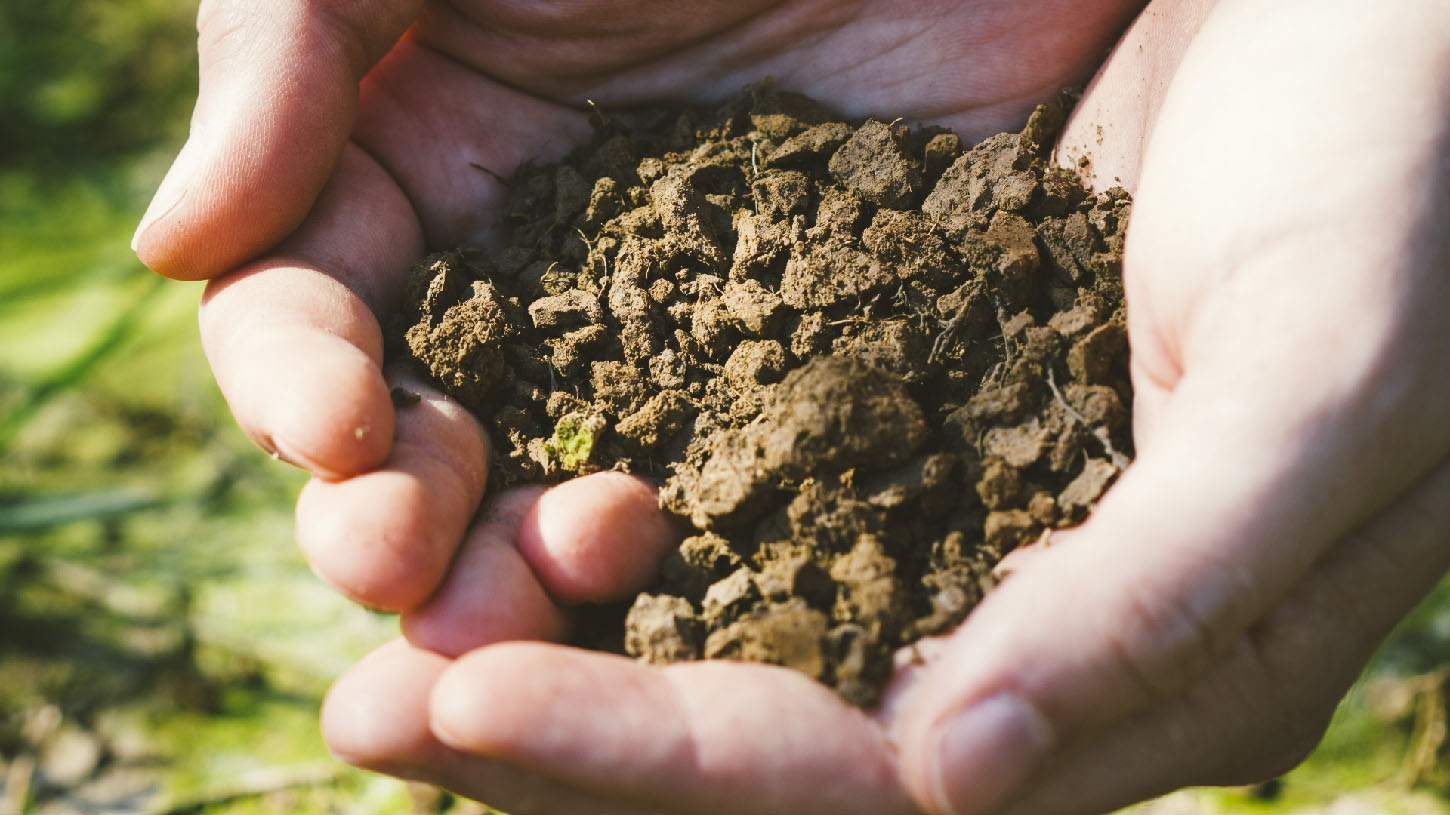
(866, 362)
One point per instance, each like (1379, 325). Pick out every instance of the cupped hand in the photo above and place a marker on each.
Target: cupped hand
(333, 144)
(1286, 274)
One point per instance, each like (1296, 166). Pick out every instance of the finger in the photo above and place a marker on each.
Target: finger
(1108, 128)
(293, 340)
(377, 712)
(535, 552)
(697, 738)
(278, 88)
(1199, 538)
(1265, 706)
(385, 538)
(1132, 608)
(596, 539)
(490, 593)
(376, 717)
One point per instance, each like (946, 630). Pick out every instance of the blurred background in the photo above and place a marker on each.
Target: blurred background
(163, 648)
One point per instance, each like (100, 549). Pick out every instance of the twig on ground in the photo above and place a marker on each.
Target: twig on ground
(1101, 433)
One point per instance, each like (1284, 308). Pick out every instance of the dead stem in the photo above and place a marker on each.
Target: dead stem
(1101, 433)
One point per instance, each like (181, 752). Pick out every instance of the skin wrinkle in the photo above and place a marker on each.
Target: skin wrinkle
(380, 292)
(692, 715)
(527, 43)
(1289, 724)
(1009, 24)
(1285, 658)
(1019, 104)
(364, 53)
(1181, 642)
(984, 115)
(387, 102)
(591, 12)
(1174, 729)
(214, 38)
(891, 50)
(692, 756)
(468, 478)
(864, 56)
(339, 36)
(322, 532)
(324, 318)
(379, 90)
(543, 793)
(1266, 713)
(770, 26)
(776, 43)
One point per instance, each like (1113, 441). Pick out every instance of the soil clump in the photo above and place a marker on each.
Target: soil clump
(866, 361)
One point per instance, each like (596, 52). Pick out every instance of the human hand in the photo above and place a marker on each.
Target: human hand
(1287, 284)
(348, 183)
(769, 737)
(1286, 270)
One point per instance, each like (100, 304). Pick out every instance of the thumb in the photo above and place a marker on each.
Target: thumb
(277, 93)
(1198, 540)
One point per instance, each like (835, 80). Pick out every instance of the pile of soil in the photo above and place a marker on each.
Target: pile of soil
(866, 361)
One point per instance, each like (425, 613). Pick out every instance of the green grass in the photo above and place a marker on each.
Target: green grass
(148, 580)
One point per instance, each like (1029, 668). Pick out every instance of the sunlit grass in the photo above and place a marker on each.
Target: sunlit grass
(146, 560)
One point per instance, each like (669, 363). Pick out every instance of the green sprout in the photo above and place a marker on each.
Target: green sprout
(574, 437)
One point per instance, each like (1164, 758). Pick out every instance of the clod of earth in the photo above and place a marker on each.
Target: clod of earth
(867, 363)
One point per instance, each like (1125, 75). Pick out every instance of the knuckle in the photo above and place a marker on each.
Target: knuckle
(1159, 644)
(1277, 747)
(353, 28)
(1167, 636)
(1274, 719)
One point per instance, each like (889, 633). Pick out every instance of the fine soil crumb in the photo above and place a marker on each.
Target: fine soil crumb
(866, 363)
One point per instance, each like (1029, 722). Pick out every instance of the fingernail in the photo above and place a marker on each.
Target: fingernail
(985, 752)
(283, 451)
(170, 193)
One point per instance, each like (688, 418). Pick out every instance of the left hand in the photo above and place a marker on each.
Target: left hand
(1288, 286)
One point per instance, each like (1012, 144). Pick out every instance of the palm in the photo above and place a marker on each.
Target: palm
(498, 83)
(939, 60)
(492, 85)
(459, 92)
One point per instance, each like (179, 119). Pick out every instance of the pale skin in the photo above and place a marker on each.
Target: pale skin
(1288, 278)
